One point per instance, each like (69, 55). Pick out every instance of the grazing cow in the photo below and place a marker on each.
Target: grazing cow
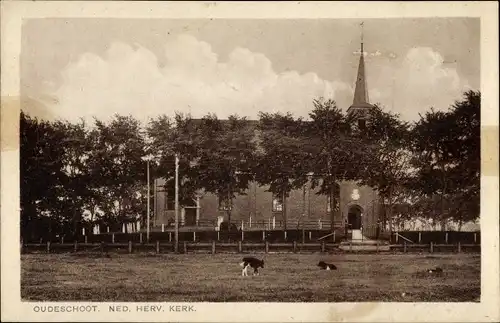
(253, 263)
(326, 266)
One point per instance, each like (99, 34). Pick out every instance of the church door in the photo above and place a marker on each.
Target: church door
(354, 218)
(190, 216)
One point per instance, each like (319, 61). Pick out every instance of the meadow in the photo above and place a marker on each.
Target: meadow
(217, 278)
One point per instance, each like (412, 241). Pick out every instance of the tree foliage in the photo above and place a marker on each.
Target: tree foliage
(446, 147)
(225, 158)
(69, 170)
(282, 162)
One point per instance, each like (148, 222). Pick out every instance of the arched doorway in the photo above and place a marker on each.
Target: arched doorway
(354, 217)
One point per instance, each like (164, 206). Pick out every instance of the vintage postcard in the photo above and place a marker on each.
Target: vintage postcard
(249, 161)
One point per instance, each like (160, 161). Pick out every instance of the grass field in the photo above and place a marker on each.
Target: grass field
(217, 278)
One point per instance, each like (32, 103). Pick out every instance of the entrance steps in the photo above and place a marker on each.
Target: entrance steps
(359, 242)
(364, 245)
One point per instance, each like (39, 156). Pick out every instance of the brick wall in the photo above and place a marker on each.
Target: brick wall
(301, 204)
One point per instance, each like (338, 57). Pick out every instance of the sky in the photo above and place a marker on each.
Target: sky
(87, 67)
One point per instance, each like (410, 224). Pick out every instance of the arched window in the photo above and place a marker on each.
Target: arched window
(277, 203)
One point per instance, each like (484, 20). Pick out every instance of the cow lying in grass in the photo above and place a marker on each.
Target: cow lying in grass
(326, 266)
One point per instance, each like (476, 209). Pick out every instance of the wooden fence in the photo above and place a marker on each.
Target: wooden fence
(239, 247)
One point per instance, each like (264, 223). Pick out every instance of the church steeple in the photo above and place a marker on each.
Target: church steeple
(361, 100)
(361, 91)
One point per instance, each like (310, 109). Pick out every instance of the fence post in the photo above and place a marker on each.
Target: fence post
(48, 246)
(333, 236)
(75, 246)
(85, 239)
(310, 235)
(242, 235)
(294, 246)
(264, 235)
(267, 246)
(397, 236)
(239, 247)
(459, 247)
(194, 236)
(213, 247)
(419, 237)
(157, 246)
(218, 235)
(446, 237)
(303, 236)
(323, 246)
(404, 246)
(112, 238)
(185, 247)
(475, 240)
(140, 237)
(432, 247)
(285, 234)
(129, 246)
(170, 237)
(377, 246)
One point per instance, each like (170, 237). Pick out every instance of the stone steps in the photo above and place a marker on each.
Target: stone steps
(364, 247)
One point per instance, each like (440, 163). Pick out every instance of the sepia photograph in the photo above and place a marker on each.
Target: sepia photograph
(240, 160)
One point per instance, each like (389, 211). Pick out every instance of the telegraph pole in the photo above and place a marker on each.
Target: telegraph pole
(176, 203)
(148, 211)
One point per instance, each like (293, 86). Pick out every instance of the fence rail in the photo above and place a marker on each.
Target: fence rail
(273, 236)
(239, 247)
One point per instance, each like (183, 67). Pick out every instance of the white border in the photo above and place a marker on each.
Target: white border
(13, 12)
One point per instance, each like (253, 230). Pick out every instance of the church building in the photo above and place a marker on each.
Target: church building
(358, 206)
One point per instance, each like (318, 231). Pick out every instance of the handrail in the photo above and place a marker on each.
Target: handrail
(404, 238)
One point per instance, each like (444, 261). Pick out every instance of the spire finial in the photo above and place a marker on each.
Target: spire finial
(362, 36)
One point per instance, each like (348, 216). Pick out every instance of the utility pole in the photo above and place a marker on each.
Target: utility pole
(176, 203)
(148, 211)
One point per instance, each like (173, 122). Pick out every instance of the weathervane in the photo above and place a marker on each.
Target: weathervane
(362, 24)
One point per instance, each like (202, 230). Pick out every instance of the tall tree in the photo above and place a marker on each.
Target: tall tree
(225, 158)
(467, 128)
(386, 139)
(447, 159)
(283, 159)
(170, 137)
(76, 184)
(116, 164)
(41, 166)
(334, 154)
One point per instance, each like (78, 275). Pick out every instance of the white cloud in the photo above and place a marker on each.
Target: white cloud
(418, 82)
(129, 80)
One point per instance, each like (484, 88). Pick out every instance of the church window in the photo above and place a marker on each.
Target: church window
(328, 204)
(362, 124)
(225, 204)
(277, 203)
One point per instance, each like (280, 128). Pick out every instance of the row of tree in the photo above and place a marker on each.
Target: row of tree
(71, 170)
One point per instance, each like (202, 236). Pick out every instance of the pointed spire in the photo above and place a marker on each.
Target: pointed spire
(361, 99)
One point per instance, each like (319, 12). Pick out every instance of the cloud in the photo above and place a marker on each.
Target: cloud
(128, 80)
(416, 83)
